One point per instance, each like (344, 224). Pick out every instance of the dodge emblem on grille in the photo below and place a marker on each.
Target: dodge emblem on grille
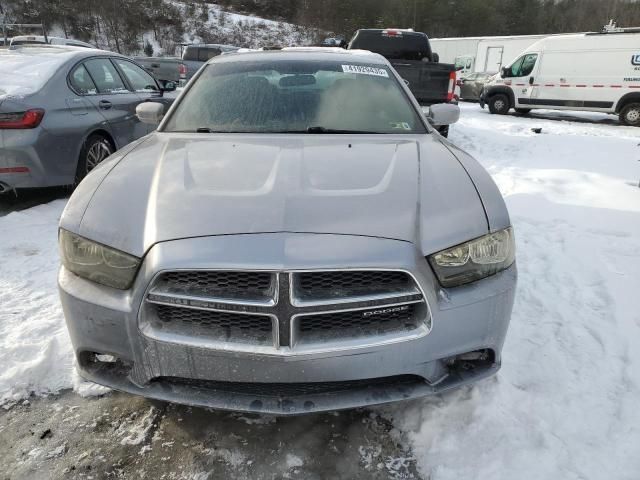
(386, 310)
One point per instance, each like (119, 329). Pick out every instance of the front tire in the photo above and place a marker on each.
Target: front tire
(499, 104)
(630, 115)
(95, 149)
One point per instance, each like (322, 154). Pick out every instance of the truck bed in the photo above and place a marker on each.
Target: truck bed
(429, 82)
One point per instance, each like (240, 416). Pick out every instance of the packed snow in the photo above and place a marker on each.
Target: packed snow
(564, 405)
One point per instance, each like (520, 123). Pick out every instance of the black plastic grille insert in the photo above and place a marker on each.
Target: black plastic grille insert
(365, 322)
(224, 326)
(340, 284)
(294, 389)
(223, 284)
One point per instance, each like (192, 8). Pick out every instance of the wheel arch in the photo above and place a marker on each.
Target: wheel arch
(626, 100)
(504, 90)
(96, 131)
(105, 134)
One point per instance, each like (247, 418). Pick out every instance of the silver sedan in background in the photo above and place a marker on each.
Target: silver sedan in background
(294, 237)
(65, 109)
(471, 85)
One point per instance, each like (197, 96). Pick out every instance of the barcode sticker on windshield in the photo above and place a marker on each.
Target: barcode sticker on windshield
(376, 72)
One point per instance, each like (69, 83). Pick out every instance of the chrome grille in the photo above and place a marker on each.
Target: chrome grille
(285, 311)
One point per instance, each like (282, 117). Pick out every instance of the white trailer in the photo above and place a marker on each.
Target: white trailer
(481, 54)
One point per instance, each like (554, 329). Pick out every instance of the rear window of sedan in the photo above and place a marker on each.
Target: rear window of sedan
(295, 96)
(26, 73)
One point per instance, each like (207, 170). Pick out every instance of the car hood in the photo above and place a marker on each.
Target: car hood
(174, 186)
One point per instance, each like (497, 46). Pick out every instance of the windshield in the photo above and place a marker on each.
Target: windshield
(295, 97)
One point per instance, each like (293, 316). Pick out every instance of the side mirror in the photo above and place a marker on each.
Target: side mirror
(168, 86)
(443, 114)
(504, 72)
(150, 112)
(435, 57)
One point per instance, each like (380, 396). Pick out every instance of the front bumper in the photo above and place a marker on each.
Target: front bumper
(465, 319)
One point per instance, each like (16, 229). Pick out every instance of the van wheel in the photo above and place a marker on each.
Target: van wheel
(95, 149)
(630, 115)
(523, 111)
(499, 104)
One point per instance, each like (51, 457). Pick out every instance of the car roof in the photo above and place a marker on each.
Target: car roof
(57, 52)
(221, 46)
(319, 54)
(49, 39)
(403, 31)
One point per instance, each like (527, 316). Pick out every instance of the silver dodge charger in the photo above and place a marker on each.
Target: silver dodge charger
(294, 237)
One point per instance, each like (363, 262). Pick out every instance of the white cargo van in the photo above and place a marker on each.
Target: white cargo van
(594, 71)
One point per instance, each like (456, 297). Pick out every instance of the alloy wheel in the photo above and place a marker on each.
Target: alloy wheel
(97, 153)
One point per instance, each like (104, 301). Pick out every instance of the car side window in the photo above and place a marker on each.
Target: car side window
(139, 79)
(105, 76)
(524, 65)
(205, 54)
(82, 82)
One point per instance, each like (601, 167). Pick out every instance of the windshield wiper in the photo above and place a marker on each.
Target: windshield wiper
(314, 130)
(206, 130)
(319, 129)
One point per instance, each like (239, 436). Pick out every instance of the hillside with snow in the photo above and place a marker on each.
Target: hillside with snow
(225, 27)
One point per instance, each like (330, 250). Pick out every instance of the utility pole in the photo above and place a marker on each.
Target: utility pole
(415, 14)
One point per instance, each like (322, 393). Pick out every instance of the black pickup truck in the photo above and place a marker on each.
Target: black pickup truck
(410, 54)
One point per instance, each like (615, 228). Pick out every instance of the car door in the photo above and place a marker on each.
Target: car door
(522, 79)
(143, 84)
(467, 86)
(115, 101)
(478, 84)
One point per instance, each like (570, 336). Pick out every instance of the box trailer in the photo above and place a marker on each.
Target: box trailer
(481, 54)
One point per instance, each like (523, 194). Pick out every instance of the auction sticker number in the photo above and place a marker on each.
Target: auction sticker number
(376, 72)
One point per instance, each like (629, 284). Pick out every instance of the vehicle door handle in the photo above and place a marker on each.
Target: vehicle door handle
(530, 80)
(155, 65)
(104, 104)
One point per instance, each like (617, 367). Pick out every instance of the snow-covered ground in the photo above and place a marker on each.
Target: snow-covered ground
(565, 404)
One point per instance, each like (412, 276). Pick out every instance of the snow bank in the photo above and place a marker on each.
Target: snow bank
(565, 404)
(248, 31)
(35, 350)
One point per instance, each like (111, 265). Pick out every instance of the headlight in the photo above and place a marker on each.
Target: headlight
(474, 260)
(96, 262)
